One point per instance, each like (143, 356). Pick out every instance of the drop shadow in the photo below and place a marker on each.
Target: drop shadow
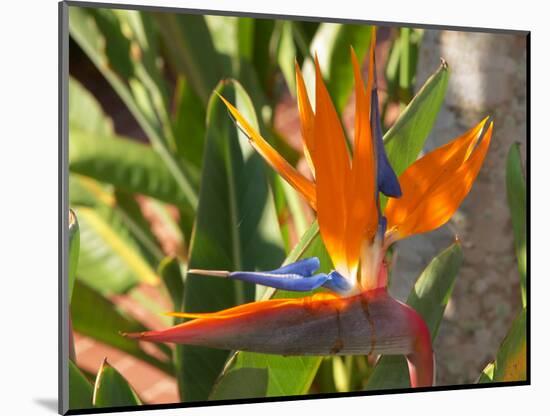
(48, 403)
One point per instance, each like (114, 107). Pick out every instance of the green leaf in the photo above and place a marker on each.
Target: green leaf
(111, 389)
(332, 44)
(263, 60)
(429, 298)
(236, 229)
(85, 112)
(132, 216)
(80, 389)
(515, 186)
(121, 216)
(126, 164)
(110, 259)
(281, 376)
(286, 53)
(189, 121)
(170, 273)
(191, 50)
(511, 362)
(74, 249)
(122, 45)
(245, 37)
(97, 317)
(406, 138)
(487, 374)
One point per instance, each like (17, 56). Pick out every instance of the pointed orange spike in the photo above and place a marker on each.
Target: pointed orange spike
(306, 118)
(277, 162)
(332, 167)
(234, 312)
(424, 174)
(362, 212)
(438, 196)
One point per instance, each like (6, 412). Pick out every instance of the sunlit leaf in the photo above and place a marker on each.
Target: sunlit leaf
(487, 374)
(110, 260)
(85, 112)
(124, 163)
(111, 389)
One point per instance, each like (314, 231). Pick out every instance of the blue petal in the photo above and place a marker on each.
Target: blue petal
(290, 281)
(382, 226)
(305, 267)
(337, 283)
(387, 180)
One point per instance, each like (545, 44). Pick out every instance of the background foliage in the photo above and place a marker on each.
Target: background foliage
(193, 176)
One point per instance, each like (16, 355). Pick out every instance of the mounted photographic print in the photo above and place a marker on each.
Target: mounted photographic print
(268, 208)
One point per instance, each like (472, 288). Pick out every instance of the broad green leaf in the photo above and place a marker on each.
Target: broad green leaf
(429, 298)
(85, 112)
(124, 163)
(121, 217)
(515, 186)
(511, 362)
(332, 44)
(281, 376)
(110, 259)
(97, 317)
(80, 389)
(111, 389)
(121, 44)
(236, 229)
(406, 138)
(191, 50)
(74, 249)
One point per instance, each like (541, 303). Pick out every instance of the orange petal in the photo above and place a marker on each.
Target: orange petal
(419, 178)
(306, 118)
(362, 212)
(435, 185)
(332, 167)
(277, 162)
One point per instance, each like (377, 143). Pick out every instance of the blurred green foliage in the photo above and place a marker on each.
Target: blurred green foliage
(198, 181)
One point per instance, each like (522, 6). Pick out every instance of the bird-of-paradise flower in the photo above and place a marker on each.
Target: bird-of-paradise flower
(357, 315)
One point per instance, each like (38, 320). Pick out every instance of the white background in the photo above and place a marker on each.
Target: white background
(29, 186)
